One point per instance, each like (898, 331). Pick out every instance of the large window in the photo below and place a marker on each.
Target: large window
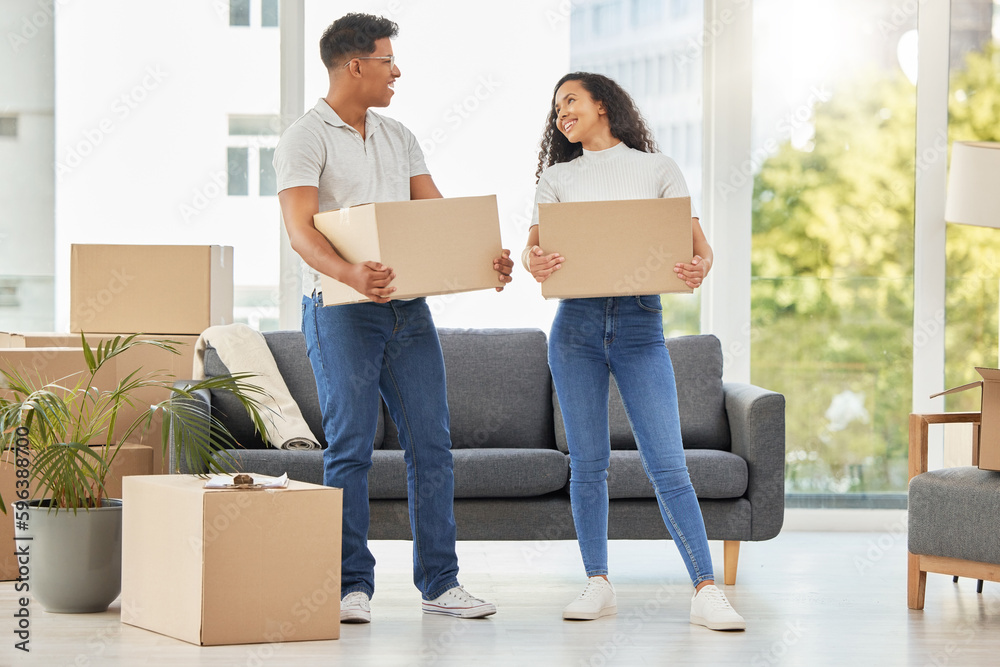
(171, 142)
(973, 253)
(832, 258)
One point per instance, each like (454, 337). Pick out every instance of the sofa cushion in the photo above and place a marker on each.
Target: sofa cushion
(479, 473)
(289, 351)
(697, 362)
(714, 474)
(499, 389)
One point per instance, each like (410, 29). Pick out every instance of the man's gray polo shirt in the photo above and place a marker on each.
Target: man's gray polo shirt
(321, 150)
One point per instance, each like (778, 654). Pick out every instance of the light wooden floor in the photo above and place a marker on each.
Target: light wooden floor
(809, 599)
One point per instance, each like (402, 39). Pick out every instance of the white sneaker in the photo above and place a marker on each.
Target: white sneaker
(457, 602)
(709, 607)
(355, 608)
(597, 599)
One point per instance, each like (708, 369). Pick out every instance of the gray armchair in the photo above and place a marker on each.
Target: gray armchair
(953, 515)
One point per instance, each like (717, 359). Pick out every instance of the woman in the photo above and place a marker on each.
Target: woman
(596, 147)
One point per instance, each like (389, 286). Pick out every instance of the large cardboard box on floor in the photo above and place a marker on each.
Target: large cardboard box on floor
(246, 566)
(132, 459)
(435, 246)
(616, 248)
(985, 434)
(153, 289)
(47, 357)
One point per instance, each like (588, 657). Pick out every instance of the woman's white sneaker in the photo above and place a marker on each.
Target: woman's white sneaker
(596, 600)
(709, 607)
(355, 608)
(458, 602)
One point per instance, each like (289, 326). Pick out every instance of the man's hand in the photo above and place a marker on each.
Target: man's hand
(503, 265)
(372, 280)
(543, 265)
(694, 273)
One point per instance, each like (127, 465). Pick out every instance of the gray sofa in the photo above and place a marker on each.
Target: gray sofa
(511, 467)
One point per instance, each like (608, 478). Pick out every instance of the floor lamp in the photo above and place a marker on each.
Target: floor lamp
(974, 184)
(974, 193)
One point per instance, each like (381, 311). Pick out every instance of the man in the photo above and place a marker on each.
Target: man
(341, 154)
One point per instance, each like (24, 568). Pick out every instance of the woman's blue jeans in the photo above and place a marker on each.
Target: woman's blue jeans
(592, 340)
(358, 351)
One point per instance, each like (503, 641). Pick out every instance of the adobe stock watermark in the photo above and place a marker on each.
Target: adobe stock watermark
(123, 106)
(32, 24)
(303, 610)
(880, 546)
(459, 112)
(438, 647)
(695, 46)
(784, 129)
(776, 653)
(22, 543)
(215, 186)
(221, 522)
(561, 14)
(104, 297)
(902, 15)
(648, 269)
(99, 644)
(633, 622)
(951, 653)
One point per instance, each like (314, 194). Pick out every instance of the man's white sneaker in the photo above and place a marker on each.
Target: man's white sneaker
(597, 599)
(458, 602)
(709, 607)
(354, 608)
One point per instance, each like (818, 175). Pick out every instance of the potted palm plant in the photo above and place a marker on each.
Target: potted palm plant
(67, 430)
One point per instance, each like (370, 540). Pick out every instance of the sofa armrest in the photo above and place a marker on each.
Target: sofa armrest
(201, 404)
(757, 429)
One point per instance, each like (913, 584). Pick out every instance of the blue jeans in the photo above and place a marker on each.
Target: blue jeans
(591, 340)
(358, 351)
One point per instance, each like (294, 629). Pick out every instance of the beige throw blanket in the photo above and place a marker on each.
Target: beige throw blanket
(244, 350)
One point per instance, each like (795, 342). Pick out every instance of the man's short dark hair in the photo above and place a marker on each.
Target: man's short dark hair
(352, 35)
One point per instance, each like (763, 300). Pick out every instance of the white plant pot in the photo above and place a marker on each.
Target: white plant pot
(75, 562)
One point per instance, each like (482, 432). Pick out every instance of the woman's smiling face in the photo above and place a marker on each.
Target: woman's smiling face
(578, 116)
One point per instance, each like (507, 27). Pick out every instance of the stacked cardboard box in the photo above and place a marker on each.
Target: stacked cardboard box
(150, 289)
(9, 340)
(173, 292)
(51, 357)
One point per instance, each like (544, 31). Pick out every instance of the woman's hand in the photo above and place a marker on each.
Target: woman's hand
(503, 265)
(542, 265)
(694, 273)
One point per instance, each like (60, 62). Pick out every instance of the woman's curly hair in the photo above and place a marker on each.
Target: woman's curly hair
(626, 122)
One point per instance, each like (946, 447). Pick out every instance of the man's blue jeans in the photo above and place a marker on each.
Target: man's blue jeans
(358, 351)
(591, 340)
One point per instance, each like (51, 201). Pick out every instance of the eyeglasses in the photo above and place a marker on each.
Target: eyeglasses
(391, 59)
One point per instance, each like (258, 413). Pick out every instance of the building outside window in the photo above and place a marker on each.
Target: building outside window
(250, 153)
(8, 127)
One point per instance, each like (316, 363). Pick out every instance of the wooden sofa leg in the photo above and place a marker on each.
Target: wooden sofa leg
(916, 582)
(730, 558)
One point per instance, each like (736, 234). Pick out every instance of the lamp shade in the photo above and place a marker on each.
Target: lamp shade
(974, 184)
